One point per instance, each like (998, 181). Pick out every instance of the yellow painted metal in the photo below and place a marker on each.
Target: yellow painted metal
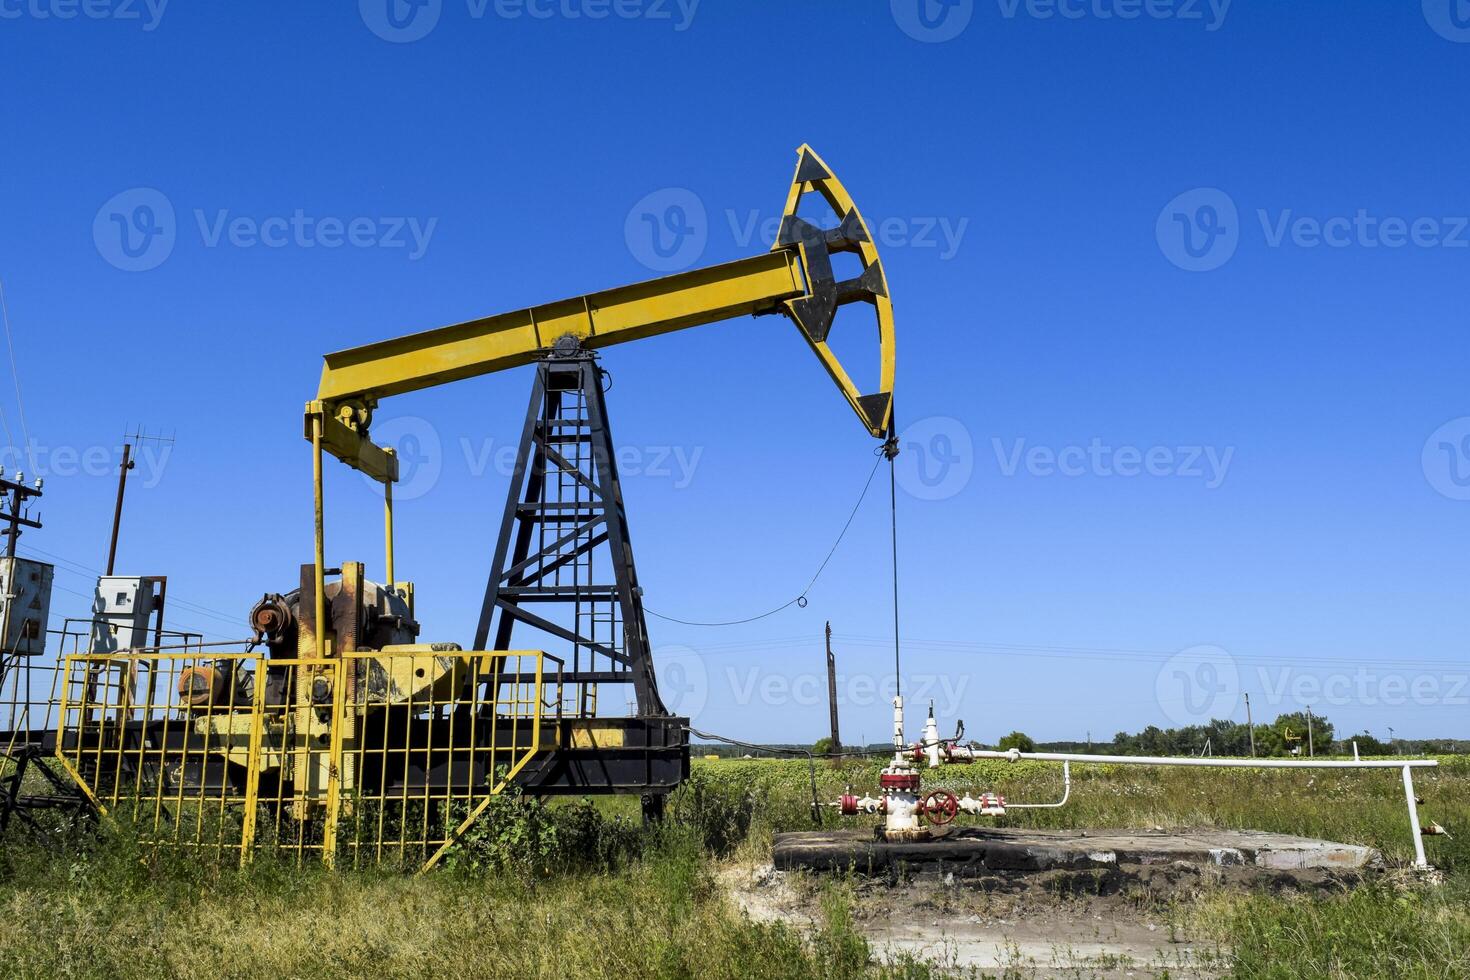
(495, 343)
(253, 767)
(319, 540)
(221, 777)
(841, 203)
(353, 381)
(343, 435)
(388, 529)
(412, 673)
(336, 763)
(593, 733)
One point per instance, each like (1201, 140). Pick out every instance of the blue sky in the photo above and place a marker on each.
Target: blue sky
(1180, 292)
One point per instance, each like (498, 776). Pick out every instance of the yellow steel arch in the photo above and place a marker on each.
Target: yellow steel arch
(813, 174)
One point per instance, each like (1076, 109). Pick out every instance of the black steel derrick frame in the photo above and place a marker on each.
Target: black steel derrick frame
(566, 445)
(567, 408)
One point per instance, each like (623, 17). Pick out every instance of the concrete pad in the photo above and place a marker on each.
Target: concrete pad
(977, 852)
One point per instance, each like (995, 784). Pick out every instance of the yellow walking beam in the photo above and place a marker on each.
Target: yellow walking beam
(794, 278)
(495, 343)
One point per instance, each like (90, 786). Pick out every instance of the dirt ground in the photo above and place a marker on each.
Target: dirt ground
(1120, 924)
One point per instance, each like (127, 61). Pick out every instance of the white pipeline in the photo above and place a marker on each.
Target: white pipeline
(1407, 766)
(1014, 755)
(1066, 793)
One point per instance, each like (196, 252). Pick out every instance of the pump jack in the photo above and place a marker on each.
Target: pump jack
(348, 715)
(573, 496)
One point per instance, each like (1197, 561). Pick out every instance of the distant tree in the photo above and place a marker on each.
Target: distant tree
(1270, 741)
(823, 746)
(1231, 738)
(1227, 737)
(1153, 740)
(1367, 745)
(1017, 740)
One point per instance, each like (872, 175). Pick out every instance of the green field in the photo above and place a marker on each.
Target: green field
(582, 890)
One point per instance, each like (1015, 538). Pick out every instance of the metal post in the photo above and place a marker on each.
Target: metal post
(1310, 751)
(1419, 859)
(319, 628)
(122, 484)
(832, 690)
(252, 773)
(1250, 726)
(334, 760)
(159, 597)
(388, 531)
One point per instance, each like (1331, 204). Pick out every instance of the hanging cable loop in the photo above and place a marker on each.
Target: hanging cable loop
(801, 599)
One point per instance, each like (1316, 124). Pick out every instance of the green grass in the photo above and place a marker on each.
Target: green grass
(1376, 930)
(119, 913)
(581, 890)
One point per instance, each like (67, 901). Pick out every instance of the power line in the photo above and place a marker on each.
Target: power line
(80, 569)
(1149, 656)
(4, 420)
(190, 627)
(15, 376)
(1056, 652)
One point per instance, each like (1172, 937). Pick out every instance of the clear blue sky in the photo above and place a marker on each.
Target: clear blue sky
(1181, 299)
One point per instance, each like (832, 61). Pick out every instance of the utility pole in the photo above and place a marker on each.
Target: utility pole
(1249, 725)
(14, 500)
(122, 486)
(128, 463)
(1310, 752)
(832, 690)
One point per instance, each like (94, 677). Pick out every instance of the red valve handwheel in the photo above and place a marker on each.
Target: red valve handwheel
(940, 806)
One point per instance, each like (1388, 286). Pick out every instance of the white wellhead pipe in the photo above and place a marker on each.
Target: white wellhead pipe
(1407, 766)
(1066, 793)
(1015, 755)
